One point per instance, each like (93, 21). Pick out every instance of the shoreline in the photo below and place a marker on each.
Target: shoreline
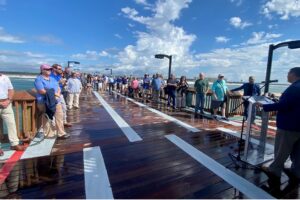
(21, 76)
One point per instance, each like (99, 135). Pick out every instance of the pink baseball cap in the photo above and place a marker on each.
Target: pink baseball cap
(45, 66)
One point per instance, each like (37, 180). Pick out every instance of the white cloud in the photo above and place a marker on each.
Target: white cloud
(262, 37)
(237, 2)
(142, 2)
(222, 39)
(273, 26)
(238, 23)
(130, 12)
(240, 63)
(131, 25)
(8, 38)
(284, 8)
(161, 36)
(90, 55)
(118, 36)
(49, 39)
(25, 61)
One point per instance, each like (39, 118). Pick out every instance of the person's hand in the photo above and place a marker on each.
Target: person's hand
(5, 103)
(259, 104)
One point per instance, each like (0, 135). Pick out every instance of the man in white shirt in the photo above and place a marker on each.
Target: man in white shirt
(74, 88)
(7, 113)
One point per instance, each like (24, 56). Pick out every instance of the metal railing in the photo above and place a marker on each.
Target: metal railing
(233, 100)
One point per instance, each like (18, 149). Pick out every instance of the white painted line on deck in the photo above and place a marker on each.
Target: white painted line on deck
(172, 119)
(238, 182)
(36, 149)
(97, 185)
(127, 130)
(7, 155)
(238, 134)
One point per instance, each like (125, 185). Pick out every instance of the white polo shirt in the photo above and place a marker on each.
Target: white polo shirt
(5, 85)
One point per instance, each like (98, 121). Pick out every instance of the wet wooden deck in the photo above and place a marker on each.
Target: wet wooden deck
(151, 168)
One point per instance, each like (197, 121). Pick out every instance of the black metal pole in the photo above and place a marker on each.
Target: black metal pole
(111, 72)
(170, 65)
(269, 68)
(68, 64)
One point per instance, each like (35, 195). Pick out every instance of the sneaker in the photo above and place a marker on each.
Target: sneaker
(65, 136)
(225, 118)
(67, 124)
(17, 148)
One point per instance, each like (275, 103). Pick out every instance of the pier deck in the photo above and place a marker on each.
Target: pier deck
(104, 157)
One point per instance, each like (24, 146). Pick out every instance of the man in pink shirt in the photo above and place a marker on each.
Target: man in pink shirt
(135, 87)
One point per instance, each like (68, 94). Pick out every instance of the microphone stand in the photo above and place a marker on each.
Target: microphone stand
(240, 142)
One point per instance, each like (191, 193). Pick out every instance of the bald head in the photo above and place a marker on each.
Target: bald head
(201, 76)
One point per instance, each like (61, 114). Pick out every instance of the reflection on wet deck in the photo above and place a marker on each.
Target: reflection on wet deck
(151, 168)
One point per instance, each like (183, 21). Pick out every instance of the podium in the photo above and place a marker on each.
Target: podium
(256, 152)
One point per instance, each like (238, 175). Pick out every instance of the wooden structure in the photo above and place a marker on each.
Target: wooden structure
(24, 105)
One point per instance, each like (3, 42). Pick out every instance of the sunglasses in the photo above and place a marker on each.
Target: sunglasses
(47, 69)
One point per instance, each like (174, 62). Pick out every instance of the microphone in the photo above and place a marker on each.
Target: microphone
(270, 81)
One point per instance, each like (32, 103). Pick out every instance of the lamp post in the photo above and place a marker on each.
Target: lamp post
(110, 70)
(291, 45)
(162, 56)
(75, 62)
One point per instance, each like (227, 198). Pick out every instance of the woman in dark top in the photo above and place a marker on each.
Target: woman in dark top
(181, 92)
(171, 88)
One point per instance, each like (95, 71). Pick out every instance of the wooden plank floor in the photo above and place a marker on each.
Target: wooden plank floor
(151, 168)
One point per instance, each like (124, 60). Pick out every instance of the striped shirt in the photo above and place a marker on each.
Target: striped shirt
(74, 85)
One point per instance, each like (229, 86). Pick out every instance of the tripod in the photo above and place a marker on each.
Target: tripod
(236, 159)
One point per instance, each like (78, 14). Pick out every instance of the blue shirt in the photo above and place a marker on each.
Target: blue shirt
(219, 88)
(249, 89)
(156, 84)
(288, 108)
(57, 78)
(41, 83)
(119, 80)
(124, 81)
(146, 83)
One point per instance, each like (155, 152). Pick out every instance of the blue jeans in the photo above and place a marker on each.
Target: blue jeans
(200, 101)
(172, 94)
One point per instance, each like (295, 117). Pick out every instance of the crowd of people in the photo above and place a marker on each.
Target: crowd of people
(156, 88)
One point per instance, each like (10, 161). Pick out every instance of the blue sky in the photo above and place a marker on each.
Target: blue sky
(211, 36)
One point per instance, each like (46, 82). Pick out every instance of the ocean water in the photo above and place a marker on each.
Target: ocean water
(22, 83)
(278, 89)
